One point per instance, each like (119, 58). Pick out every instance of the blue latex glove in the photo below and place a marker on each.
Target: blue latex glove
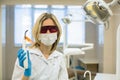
(21, 57)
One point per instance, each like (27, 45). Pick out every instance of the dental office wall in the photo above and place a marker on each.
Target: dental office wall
(0, 44)
(107, 57)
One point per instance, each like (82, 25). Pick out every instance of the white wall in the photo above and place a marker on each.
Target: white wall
(109, 62)
(91, 36)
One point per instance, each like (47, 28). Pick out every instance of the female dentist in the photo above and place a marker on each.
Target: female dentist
(44, 62)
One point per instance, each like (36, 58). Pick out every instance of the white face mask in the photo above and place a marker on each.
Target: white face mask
(48, 39)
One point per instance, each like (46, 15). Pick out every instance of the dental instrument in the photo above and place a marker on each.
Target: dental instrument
(29, 40)
(24, 48)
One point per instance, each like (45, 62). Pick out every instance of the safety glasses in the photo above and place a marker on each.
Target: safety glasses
(52, 29)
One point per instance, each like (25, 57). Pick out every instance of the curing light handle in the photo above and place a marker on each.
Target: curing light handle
(25, 63)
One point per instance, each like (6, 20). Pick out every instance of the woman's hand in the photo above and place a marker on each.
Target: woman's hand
(21, 57)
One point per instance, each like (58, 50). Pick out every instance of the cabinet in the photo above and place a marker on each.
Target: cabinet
(92, 67)
(90, 64)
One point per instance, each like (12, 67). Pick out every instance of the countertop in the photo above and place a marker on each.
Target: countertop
(89, 61)
(103, 76)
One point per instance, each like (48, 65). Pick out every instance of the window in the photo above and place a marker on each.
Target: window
(75, 31)
(26, 15)
(100, 34)
(3, 7)
(23, 22)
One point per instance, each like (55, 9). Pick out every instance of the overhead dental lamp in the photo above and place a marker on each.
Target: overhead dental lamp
(67, 19)
(97, 10)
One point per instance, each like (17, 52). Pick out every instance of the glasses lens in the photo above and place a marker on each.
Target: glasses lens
(43, 30)
(52, 29)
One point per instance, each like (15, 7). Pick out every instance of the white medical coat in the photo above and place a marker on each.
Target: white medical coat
(52, 68)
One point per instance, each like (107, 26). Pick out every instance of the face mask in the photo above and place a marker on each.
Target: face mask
(48, 39)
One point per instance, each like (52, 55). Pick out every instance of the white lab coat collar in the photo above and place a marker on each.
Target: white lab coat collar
(37, 52)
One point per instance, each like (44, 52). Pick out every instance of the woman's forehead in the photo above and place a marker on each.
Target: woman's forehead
(48, 22)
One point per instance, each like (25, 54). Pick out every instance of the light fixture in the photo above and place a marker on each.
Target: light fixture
(97, 10)
(67, 19)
